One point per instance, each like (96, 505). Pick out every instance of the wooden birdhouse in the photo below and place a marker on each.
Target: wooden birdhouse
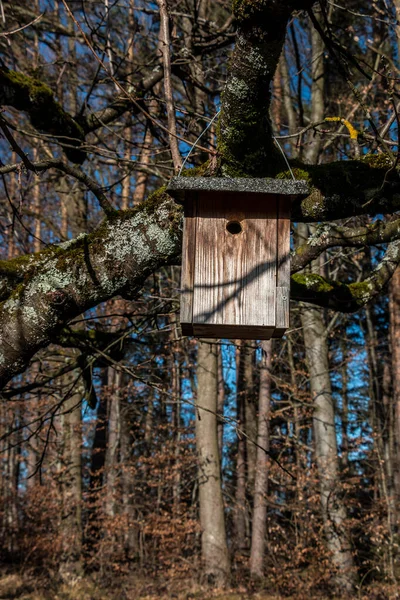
(236, 255)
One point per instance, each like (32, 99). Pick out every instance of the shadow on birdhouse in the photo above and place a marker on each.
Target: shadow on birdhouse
(236, 255)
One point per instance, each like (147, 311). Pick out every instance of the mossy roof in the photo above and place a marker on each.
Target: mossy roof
(180, 187)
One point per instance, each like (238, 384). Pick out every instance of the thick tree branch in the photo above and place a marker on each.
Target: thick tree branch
(62, 282)
(46, 114)
(346, 297)
(347, 188)
(43, 292)
(73, 171)
(329, 236)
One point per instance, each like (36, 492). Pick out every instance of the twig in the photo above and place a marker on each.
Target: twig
(75, 172)
(7, 33)
(121, 87)
(15, 146)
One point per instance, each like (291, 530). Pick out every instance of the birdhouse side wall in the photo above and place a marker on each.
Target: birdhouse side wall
(188, 264)
(283, 267)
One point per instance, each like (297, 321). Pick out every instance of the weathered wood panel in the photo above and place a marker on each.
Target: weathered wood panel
(283, 266)
(240, 332)
(188, 265)
(282, 311)
(283, 243)
(235, 274)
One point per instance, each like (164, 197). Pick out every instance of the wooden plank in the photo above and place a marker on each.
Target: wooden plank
(188, 265)
(283, 243)
(282, 311)
(235, 275)
(283, 267)
(240, 332)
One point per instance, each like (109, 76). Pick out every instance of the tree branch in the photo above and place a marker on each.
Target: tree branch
(46, 114)
(75, 172)
(329, 236)
(344, 189)
(245, 134)
(166, 54)
(346, 297)
(62, 282)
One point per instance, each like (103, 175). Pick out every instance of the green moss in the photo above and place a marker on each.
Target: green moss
(379, 161)
(202, 170)
(312, 287)
(246, 148)
(313, 282)
(299, 174)
(46, 114)
(35, 88)
(360, 291)
(14, 267)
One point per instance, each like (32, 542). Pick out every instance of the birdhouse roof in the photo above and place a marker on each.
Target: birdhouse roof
(180, 187)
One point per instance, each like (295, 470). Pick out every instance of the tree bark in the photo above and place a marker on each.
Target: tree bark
(326, 453)
(316, 346)
(113, 439)
(240, 490)
(250, 401)
(216, 567)
(259, 525)
(394, 306)
(72, 531)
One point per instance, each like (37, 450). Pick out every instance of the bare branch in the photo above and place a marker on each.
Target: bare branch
(166, 54)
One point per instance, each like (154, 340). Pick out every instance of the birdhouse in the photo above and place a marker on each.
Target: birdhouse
(236, 255)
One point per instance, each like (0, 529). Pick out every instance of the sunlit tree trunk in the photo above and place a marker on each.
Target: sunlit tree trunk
(259, 525)
(216, 567)
(250, 413)
(345, 409)
(74, 217)
(113, 439)
(131, 541)
(326, 452)
(221, 401)
(317, 355)
(72, 530)
(240, 490)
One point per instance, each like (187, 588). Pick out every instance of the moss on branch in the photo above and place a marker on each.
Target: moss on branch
(46, 114)
(346, 188)
(339, 296)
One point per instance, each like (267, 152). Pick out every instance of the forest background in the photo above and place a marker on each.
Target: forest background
(139, 463)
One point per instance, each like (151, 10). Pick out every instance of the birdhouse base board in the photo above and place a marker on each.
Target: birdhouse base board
(240, 332)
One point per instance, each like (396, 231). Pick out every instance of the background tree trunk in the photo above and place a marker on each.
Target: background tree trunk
(326, 452)
(259, 525)
(216, 567)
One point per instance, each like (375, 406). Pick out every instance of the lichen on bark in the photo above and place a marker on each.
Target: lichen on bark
(245, 141)
(62, 282)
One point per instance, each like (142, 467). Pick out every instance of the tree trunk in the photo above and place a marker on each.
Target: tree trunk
(131, 540)
(114, 382)
(394, 306)
(221, 402)
(259, 525)
(71, 565)
(250, 413)
(333, 511)
(216, 567)
(240, 492)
